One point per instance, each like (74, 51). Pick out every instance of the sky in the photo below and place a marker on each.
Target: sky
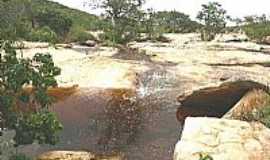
(235, 8)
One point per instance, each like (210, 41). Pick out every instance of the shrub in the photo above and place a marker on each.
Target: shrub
(20, 157)
(27, 113)
(205, 156)
(59, 22)
(79, 34)
(44, 34)
(213, 17)
(262, 116)
(257, 31)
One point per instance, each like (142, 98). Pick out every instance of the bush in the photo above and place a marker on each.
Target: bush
(258, 31)
(44, 34)
(20, 157)
(78, 34)
(28, 113)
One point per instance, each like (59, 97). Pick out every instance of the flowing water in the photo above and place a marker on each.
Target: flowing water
(139, 124)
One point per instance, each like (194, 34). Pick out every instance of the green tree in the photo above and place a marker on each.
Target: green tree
(213, 17)
(13, 20)
(124, 15)
(54, 19)
(175, 22)
(27, 112)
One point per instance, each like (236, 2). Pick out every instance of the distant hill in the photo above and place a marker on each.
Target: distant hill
(79, 18)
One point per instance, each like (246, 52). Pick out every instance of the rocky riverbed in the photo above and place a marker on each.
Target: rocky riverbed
(128, 101)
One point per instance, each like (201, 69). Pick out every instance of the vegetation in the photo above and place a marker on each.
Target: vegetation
(175, 22)
(205, 156)
(213, 17)
(257, 27)
(262, 116)
(27, 112)
(124, 16)
(19, 157)
(33, 19)
(258, 31)
(78, 34)
(44, 34)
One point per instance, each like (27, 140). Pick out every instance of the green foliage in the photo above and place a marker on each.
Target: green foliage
(262, 116)
(213, 17)
(78, 34)
(44, 34)
(204, 156)
(23, 18)
(27, 113)
(13, 22)
(125, 16)
(44, 122)
(78, 18)
(175, 22)
(257, 31)
(20, 157)
(54, 19)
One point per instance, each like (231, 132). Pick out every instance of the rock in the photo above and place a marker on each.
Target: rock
(253, 100)
(66, 155)
(89, 43)
(266, 40)
(233, 37)
(31, 45)
(63, 45)
(223, 140)
(201, 102)
(76, 155)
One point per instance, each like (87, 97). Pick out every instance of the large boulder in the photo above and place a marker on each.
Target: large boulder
(223, 140)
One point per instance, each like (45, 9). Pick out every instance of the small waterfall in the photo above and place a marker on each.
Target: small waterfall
(155, 81)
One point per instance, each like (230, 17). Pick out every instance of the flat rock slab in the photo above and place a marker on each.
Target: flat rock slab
(67, 155)
(74, 155)
(223, 140)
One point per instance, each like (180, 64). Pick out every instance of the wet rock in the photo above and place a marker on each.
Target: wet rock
(67, 155)
(89, 43)
(223, 139)
(231, 38)
(76, 155)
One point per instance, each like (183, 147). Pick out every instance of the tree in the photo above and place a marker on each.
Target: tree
(213, 17)
(124, 16)
(13, 19)
(54, 19)
(175, 22)
(27, 111)
(24, 102)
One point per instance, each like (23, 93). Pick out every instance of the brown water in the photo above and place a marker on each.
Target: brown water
(139, 124)
(115, 120)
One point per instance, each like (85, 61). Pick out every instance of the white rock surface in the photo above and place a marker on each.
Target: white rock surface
(223, 140)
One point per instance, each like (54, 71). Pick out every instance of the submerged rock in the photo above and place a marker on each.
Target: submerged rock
(223, 140)
(66, 155)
